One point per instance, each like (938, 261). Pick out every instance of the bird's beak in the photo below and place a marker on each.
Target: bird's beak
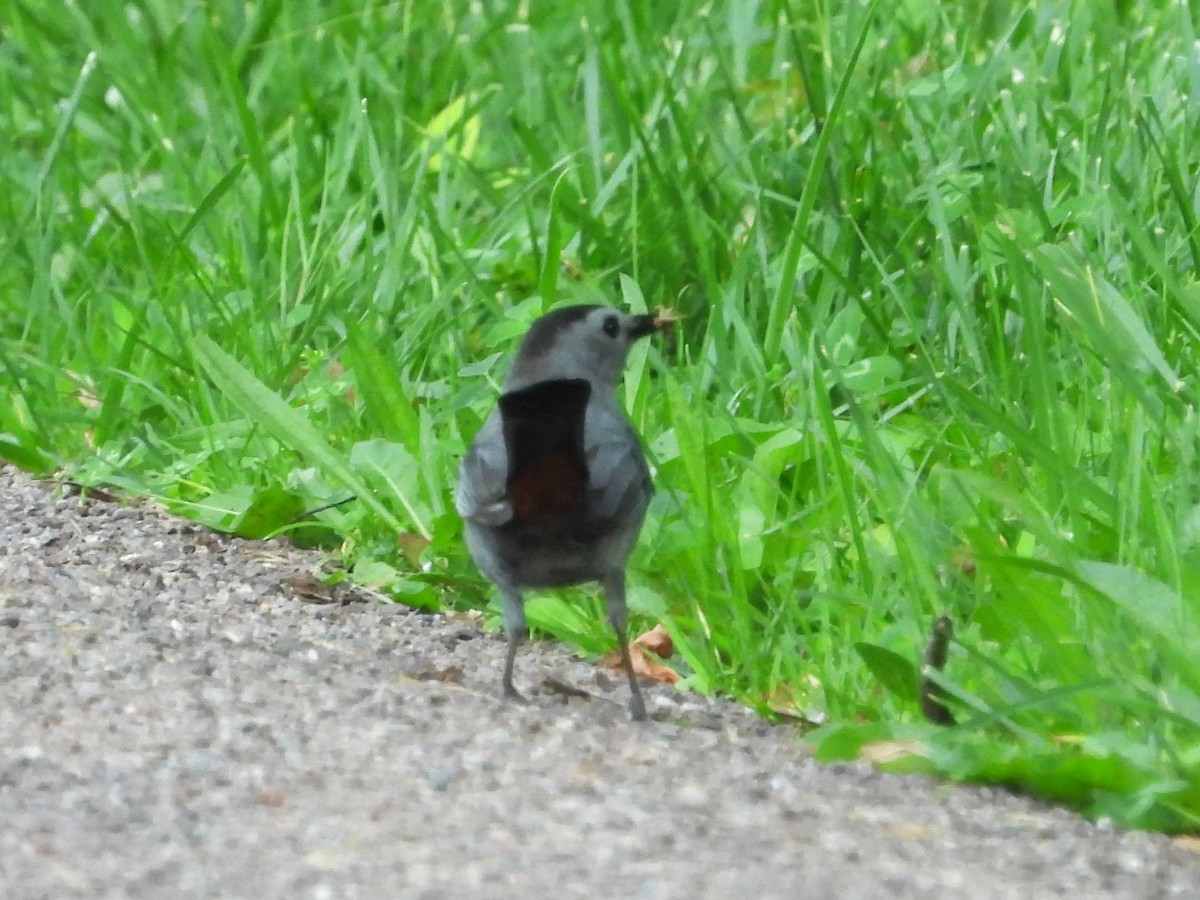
(642, 326)
(652, 322)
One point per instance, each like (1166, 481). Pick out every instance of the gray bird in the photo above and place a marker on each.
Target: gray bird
(555, 486)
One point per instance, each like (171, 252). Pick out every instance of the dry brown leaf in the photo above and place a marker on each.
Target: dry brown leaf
(562, 689)
(1188, 842)
(645, 665)
(412, 545)
(337, 370)
(570, 267)
(882, 752)
(657, 641)
(309, 588)
(789, 702)
(466, 616)
(86, 394)
(270, 797)
(962, 558)
(911, 831)
(296, 375)
(1068, 740)
(444, 674)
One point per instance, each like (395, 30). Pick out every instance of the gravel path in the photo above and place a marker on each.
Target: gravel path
(175, 723)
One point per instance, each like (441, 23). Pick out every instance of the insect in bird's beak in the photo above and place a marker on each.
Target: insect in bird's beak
(664, 317)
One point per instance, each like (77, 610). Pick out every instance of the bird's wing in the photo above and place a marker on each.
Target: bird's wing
(618, 480)
(619, 486)
(543, 427)
(481, 493)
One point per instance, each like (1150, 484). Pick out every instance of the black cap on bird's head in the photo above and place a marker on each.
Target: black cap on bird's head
(589, 342)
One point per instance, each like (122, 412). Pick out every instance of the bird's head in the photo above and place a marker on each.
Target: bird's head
(590, 342)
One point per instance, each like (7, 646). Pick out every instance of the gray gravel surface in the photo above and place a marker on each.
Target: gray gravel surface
(174, 722)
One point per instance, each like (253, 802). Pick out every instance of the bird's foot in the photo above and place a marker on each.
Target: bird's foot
(511, 693)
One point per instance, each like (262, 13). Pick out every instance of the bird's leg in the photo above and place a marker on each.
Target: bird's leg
(614, 595)
(637, 708)
(517, 631)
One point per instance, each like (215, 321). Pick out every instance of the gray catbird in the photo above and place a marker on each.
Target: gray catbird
(555, 486)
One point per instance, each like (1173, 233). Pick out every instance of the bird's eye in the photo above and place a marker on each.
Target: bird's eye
(611, 326)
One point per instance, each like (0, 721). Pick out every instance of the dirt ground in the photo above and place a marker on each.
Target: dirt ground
(175, 722)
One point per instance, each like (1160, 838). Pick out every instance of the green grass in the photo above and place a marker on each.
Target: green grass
(938, 264)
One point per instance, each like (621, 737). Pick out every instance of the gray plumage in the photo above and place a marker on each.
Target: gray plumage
(555, 486)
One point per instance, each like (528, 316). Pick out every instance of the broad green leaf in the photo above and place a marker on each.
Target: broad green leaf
(1110, 321)
(271, 509)
(264, 407)
(843, 742)
(895, 672)
(1160, 612)
(387, 465)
